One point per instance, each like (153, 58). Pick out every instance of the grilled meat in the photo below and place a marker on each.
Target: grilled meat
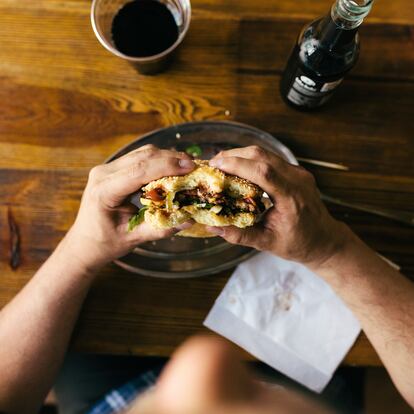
(200, 196)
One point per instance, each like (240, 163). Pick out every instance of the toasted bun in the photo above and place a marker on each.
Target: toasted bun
(203, 218)
(197, 230)
(211, 219)
(215, 181)
(160, 220)
(212, 178)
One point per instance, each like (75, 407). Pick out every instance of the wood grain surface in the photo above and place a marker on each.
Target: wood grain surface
(66, 104)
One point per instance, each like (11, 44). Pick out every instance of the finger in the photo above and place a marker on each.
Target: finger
(146, 232)
(251, 152)
(257, 236)
(147, 146)
(127, 209)
(117, 186)
(145, 152)
(259, 172)
(118, 162)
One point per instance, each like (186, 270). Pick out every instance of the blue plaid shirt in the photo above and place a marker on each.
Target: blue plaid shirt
(119, 399)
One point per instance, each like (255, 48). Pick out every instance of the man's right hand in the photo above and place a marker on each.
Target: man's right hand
(99, 233)
(298, 227)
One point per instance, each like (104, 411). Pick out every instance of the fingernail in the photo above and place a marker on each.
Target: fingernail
(186, 163)
(219, 231)
(216, 162)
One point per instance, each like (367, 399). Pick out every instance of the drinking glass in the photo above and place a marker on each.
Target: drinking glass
(102, 16)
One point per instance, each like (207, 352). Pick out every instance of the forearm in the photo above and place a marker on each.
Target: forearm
(383, 301)
(35, 328)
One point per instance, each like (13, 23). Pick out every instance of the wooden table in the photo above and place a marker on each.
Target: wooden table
(66, 104)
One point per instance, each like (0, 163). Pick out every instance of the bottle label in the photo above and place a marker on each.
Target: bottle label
(310, 93)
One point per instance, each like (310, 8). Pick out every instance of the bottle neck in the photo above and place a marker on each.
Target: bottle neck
(349, 14)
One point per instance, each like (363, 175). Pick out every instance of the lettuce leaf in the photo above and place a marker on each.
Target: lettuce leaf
(194, 150)
(137, 219)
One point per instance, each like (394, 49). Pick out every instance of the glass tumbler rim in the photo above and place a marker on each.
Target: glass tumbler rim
(111, 48)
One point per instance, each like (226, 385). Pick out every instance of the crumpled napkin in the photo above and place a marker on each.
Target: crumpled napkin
(286, 316)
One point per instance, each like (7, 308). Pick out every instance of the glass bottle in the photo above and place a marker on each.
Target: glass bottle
(326, 50)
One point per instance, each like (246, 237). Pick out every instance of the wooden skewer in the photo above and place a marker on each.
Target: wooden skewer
(324, 164)
(390, 262)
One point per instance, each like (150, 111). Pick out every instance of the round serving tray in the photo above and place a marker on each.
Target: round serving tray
(181, 257)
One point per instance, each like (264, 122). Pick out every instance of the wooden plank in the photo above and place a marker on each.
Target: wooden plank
(268, 54)
(396, 11)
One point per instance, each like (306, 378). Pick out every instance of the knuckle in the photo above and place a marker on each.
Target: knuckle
(278, 162)
(236, 237)
(233, 238)
(95, 173)
(306, 176)
(309, 177)
(257, 152)
(148, 147)
(266, 171)
(147, 153)
(228, 162)
(96, 192)
(172, 163)
(151, 153)
(137, 169)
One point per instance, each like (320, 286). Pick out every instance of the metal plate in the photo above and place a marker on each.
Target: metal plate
(180, 257)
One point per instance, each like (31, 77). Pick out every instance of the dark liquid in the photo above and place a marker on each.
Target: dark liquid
(323, 55)
(144, 28)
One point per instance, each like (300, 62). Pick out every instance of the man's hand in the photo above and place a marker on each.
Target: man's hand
(99, 233)
(298, 227)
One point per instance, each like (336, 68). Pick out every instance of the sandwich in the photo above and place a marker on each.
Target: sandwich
(206, 195)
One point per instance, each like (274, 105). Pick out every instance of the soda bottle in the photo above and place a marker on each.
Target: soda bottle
(326, 50)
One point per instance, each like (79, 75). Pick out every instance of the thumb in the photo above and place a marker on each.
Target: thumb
(256, 236)
(146, 232)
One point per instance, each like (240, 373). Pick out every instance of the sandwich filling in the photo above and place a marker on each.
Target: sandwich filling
(221, 203)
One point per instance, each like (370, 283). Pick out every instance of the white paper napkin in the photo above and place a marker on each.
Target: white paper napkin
(286, 316)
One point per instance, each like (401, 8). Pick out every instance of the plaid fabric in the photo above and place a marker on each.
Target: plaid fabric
(119, 399)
